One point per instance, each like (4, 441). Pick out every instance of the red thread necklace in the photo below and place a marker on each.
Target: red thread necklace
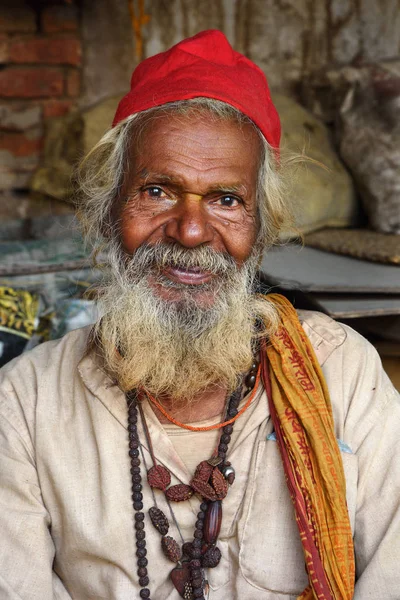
(207, 427)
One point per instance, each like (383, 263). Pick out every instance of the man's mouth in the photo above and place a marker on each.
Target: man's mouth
(187, 275)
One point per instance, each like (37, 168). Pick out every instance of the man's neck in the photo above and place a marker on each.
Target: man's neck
(205, 405)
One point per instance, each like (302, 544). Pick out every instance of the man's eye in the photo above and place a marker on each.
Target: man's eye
(229, 201)
(154, 192)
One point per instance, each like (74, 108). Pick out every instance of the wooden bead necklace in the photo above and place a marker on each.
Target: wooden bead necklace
(211, 481)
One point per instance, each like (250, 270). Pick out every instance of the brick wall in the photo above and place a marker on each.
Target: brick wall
(40, 78)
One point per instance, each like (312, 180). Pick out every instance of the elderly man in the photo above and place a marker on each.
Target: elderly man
(201, 440)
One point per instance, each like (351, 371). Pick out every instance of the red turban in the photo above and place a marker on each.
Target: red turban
(205, 65)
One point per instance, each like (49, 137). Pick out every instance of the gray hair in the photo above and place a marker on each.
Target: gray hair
(100, 176)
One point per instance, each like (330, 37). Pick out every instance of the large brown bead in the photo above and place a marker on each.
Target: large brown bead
(211, 557)
(159, 520)
(212, 522)
(203, 488)
(158, 477)
(219, 484)
(170, 548)
(187, 549)
(179, 492)
(203, 471)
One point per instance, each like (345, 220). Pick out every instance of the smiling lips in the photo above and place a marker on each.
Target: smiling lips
(188, 276)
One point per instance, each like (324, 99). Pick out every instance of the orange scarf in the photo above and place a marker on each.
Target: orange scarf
(302, 415)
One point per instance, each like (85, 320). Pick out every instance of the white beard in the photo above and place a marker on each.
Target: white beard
(179, 348)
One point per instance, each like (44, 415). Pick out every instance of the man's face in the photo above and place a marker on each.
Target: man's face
(193, 184)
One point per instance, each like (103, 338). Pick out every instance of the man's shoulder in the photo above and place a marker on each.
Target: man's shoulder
(43, 377)
(325, 334)
(328, 336)
(64, 353)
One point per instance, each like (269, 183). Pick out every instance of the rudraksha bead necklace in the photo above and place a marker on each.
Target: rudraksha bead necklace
(211, 481)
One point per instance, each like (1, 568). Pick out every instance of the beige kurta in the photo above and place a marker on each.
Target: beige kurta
(66, 519)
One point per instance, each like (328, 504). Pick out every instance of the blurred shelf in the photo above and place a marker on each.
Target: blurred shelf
(313, 270)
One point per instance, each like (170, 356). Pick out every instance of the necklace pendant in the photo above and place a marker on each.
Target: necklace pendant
(214, 461)
(212, 522)
(180, 577)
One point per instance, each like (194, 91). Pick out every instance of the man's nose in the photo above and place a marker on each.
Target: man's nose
(190, 223)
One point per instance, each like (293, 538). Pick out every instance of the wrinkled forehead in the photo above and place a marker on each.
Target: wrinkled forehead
(206, 109)
(197, 145)
(200, 128)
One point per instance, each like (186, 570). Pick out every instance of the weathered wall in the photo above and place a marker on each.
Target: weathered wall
(108, 49)
(40, 58)
(286, 38)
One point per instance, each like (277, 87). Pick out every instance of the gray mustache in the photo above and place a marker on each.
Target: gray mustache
(163, 255)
